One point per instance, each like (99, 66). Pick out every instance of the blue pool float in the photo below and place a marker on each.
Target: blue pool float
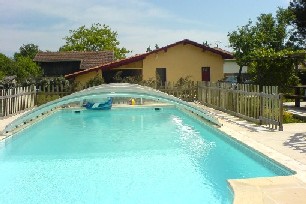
(100, 106)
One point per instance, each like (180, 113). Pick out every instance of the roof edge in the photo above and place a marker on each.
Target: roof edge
(109, 65)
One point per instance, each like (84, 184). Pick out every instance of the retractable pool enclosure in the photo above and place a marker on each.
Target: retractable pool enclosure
(112, 90)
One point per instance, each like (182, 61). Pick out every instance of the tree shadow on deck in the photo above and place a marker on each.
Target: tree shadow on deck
(297, 142)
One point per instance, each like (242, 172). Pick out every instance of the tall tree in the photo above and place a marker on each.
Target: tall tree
(96, 38)
(25, 68)
(270, 68)
(22, 67)
(264, 42)
(298, 7)
(28, 50)
(242, 43)
(6, 66)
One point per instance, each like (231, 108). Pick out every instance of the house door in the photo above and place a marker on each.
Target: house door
(205, 73)
(161, 75)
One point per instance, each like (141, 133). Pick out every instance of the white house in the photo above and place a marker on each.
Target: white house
(230, 67)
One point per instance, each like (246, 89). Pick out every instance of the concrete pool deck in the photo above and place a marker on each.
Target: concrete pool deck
(287, 147)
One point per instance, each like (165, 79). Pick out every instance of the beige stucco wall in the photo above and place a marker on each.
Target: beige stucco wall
(182, 61)
(179, 61)
(133, 65)
(83, 78)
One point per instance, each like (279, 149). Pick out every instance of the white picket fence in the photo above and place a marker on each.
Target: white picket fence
(13, 101)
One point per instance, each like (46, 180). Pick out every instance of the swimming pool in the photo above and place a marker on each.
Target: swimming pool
(124, 156)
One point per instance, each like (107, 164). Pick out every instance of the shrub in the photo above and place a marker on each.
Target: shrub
(289, 118)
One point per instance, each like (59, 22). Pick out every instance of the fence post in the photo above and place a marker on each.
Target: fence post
(33, 96)
(199, 92)
(281, 109)
(219, 94)
(2, 102)
(261, 107)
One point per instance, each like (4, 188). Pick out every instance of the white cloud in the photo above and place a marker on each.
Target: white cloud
(135, 37)
(139, 23)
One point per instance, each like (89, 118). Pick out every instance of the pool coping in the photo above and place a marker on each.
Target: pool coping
(281, 189)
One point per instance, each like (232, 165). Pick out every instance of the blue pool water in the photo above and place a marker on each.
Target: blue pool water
(124, 156)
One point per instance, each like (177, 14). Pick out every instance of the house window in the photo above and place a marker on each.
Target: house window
(161, 75)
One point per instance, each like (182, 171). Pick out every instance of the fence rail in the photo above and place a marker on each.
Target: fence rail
(13, 101)
(246, 101)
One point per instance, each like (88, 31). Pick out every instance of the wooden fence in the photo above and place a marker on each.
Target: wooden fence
(50, 92)
(187, 91)
(15, 100)
(246, 101)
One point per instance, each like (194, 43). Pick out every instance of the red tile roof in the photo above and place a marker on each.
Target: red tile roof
(109, 65)
(87, 59)
(224, 54)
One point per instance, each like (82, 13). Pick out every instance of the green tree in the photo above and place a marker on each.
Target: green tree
(96, 38)
(274, 68)
(25, 68)
(6, 66)
(242, 43)
(28, 50)
(259, 45)
(298, 8)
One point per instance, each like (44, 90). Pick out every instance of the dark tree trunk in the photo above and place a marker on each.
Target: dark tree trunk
(239, 77)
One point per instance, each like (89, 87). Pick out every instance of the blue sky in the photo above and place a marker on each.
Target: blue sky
(139, 23)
